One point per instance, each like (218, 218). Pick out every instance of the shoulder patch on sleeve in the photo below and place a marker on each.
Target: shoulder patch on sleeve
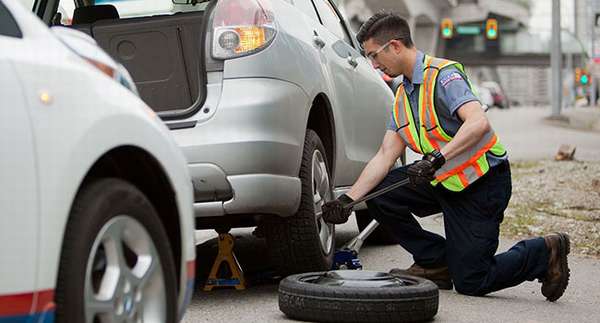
(449, 78)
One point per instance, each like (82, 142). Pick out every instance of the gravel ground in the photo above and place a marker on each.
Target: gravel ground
(551, 196)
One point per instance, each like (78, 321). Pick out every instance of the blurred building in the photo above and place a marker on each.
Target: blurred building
(423, 16)
(518, 59)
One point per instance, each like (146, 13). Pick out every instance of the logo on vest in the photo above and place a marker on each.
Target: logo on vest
(449, 78)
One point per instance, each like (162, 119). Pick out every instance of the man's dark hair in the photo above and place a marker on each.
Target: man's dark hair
(383, 27)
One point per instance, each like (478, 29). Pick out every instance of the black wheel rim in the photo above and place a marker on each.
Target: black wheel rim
(358, 278)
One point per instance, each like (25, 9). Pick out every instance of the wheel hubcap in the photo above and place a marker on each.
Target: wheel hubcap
(321, 193)
(124, 281)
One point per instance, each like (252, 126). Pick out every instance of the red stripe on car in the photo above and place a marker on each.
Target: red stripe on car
(23, 303)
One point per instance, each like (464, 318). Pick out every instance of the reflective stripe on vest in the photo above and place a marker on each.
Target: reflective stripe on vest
(401, 117)
(459, 172)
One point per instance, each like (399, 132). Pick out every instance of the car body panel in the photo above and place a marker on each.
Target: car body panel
(70, 134)
(262, 136)
(20, 205)
(294, 57)
(359, 100)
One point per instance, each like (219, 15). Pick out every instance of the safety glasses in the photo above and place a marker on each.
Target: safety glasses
(373, 55)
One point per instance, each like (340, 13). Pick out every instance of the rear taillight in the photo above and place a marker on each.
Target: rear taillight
(242, 27)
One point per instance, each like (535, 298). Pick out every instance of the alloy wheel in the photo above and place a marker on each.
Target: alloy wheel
(321, 193)
(124, 280)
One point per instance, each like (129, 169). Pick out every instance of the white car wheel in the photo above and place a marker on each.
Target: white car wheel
(116, 263)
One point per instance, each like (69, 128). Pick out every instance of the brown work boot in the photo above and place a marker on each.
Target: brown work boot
(557, 277)
(440, 276)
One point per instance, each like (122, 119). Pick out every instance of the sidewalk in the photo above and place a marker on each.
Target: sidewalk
(581, 118)
(529, 136)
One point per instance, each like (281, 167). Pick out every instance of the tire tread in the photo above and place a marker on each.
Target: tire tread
(311, 302)
(292, 244)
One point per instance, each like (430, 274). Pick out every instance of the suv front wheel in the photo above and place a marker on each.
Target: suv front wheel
(304, 242)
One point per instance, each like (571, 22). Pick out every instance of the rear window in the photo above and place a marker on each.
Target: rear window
(27, 3)
(140, 8)
(331, 20)
(131, 8)
(307, 7)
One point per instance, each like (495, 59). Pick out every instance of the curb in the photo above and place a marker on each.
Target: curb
(579, 119)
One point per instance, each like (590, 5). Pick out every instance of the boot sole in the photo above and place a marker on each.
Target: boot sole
(564, 249)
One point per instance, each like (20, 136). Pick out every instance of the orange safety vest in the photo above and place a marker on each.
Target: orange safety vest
(459, 172)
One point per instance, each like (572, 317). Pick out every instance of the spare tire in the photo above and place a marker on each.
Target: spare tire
(357, 296)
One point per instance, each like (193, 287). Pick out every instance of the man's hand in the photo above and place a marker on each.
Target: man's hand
(423, 171)
(336, 211)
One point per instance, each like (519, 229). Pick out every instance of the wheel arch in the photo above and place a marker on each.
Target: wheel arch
(138, 167)
(321, 120)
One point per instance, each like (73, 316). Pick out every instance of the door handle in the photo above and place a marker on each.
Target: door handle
(352, 61)
(318, 41)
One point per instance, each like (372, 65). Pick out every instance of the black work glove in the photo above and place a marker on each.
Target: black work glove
(423, 171)
(336, 211)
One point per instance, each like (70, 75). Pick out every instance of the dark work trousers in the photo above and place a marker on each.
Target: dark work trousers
(472, 219)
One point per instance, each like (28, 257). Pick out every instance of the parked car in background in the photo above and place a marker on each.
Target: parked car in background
(271, 101)
(484, 95)
(96, 221)
(499, 98)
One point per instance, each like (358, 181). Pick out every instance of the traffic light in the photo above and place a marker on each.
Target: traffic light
(585, 77)
(582, 76)
(447, 28)
(491, 29)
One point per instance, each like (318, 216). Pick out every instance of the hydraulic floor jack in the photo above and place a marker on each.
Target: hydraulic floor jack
(347, 256)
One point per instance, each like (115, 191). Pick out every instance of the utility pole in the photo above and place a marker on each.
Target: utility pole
(570, 99)
(575, 17)
(556, 60)
(570, 65)
(593, 80)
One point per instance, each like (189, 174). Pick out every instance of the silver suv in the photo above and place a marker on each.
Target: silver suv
(272, 102)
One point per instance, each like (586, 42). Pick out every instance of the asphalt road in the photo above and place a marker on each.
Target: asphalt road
(526, 137)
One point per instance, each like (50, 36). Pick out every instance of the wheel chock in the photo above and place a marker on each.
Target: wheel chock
(225, 260)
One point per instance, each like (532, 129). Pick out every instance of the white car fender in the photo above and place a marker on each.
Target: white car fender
(108, 129)
(60, 186)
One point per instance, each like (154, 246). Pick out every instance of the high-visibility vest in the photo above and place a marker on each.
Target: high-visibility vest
(459, 172)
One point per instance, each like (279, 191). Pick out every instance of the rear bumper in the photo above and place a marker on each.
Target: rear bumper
(245, 159)
(258, 127)
(255, 194)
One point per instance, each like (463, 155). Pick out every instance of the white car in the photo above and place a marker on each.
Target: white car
(96, 221)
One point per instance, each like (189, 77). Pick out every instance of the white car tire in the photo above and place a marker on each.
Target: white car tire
(116, 263)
